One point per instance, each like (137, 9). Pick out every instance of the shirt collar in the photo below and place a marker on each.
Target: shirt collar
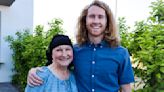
(103, 43)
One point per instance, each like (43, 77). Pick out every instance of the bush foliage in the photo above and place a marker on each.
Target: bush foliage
(146, 46)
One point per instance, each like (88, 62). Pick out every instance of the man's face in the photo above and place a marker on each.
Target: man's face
(96, 21)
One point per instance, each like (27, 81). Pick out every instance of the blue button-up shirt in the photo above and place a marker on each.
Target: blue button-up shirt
(100, 68)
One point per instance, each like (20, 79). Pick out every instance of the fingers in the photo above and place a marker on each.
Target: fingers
(33, 79)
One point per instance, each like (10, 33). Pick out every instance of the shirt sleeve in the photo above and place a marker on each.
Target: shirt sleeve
(126, 75)
(34, 89)
(43, 75)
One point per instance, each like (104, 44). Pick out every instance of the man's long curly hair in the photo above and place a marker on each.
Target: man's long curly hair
(111, 34)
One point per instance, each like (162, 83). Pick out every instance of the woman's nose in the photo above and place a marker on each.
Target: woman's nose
(64, 53)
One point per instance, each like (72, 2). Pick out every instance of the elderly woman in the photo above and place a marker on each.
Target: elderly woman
(56, 76)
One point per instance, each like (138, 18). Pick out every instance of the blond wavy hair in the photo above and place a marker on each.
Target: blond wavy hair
(111, 33)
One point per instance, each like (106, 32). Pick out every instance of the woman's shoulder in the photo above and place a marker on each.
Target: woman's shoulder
(72, 76)
(73, 82)
(43, 73)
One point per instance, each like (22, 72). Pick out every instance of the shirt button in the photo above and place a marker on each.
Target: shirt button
(93, 76)
(94, 49)
(93, 62)
(93, 90)
(101, 46)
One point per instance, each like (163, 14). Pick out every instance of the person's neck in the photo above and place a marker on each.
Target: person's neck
(61, 72)
(96, 40)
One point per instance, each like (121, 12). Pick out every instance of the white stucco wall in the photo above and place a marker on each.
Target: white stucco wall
(14, 18)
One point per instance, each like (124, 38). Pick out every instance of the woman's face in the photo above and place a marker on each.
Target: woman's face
(62, 55)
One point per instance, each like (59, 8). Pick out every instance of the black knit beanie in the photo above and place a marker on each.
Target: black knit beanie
(56, 41)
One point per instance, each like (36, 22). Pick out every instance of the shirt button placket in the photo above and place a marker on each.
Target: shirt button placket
(93, 69)
(94, 49)
(93, 62)
(92, 76)
(93, 90)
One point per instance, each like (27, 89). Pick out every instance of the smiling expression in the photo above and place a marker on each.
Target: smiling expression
(62, 55)
(96, 21)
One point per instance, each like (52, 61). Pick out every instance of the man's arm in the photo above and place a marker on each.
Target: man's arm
(33, 79)
(126, 88)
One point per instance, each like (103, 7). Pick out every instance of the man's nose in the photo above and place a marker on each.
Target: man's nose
(96, 19)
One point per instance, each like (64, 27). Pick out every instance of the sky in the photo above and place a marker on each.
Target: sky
(69, 11)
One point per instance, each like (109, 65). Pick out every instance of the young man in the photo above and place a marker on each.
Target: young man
(101, 64)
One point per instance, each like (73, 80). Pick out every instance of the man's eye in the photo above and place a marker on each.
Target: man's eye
(91, 16)
(101, 16)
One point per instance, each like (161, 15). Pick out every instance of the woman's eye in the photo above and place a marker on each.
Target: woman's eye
(59, 50)
(68, 49)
